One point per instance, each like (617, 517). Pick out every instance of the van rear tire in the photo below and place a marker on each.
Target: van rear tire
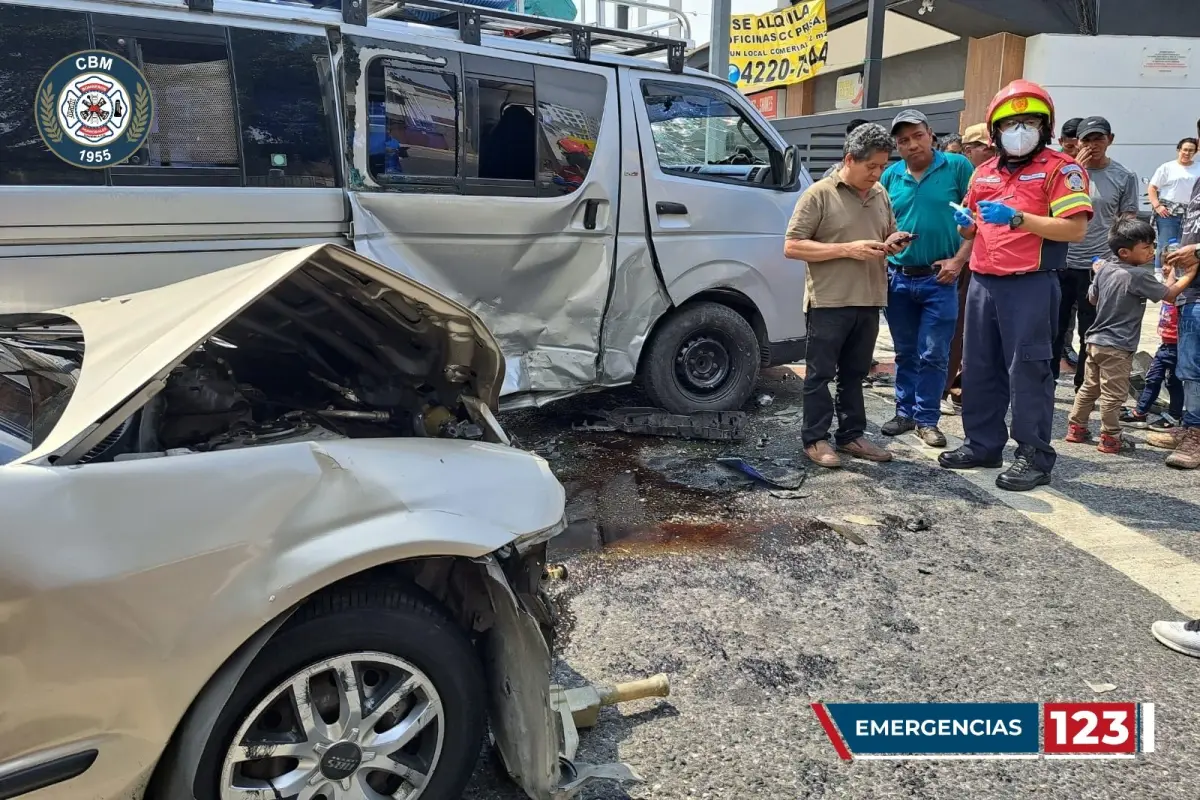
(704, 357)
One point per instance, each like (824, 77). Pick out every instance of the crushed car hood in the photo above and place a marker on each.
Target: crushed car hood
(132, 342)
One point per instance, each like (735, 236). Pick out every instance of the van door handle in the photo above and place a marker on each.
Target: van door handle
(670, 208)
(590, 209)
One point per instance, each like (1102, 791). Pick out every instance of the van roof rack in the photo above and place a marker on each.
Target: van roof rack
(472, 21)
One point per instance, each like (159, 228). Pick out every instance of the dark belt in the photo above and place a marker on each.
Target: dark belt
(916, 272)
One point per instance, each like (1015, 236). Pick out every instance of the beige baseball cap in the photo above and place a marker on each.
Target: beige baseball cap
(977, 134)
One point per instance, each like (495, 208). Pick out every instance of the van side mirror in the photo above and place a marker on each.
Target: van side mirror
(791, 166)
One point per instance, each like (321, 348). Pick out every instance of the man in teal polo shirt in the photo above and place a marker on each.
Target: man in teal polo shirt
(922, 279)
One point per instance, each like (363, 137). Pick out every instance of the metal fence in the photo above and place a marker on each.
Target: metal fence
(820, 136)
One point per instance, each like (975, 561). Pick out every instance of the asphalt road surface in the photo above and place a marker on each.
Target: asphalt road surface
(757, 605)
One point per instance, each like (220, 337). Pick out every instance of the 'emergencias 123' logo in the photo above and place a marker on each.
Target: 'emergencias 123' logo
(987, 730)
(94, 109)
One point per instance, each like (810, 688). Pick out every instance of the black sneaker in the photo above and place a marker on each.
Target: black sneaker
(965, 458)
(1163, 424)
(898, 425)
(1022, 475)
(1132, 419)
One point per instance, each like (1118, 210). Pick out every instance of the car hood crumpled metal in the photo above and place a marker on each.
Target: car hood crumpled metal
(134, 340)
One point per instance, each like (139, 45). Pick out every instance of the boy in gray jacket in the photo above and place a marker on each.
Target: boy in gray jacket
(1119, 292)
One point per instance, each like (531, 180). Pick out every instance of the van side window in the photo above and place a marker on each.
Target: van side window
(32, 40)
(413, 121)
(194, 139)
(570, 108)
(698, 133)
(286, 106)
(502, 135)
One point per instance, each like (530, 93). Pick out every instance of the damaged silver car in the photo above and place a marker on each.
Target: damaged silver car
(264, 538)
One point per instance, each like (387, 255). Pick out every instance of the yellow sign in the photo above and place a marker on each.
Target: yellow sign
(779, 47)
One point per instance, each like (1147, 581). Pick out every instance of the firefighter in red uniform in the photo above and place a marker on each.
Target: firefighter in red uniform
(1022, 209)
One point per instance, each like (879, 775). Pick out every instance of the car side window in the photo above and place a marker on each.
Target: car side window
(195, 136)
(286, 106)
(570, 112)
(32, 40)
(699, 133)
(412, 122)
(481, 125)
(500, 152)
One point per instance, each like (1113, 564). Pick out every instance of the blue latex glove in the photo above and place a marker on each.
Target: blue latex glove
(996, 213)
(963, 218)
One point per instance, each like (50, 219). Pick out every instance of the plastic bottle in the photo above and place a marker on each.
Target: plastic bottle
(1172, 246)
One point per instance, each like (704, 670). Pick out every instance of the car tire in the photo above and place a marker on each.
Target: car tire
(399, 622)
(704, 357)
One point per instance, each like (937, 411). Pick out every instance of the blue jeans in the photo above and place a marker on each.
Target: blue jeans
(1163, 368)
(921, 315)
(1168, 228)
(1188, 368)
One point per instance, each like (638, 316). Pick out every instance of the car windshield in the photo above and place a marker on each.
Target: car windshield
(37, 376)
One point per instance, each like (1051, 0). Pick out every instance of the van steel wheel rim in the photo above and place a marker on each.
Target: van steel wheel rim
(704, 364)
(361, 726)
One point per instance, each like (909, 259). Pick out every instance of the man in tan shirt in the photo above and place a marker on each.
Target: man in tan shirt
(843, 226)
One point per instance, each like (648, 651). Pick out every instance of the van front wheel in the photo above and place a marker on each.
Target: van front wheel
(704, 357)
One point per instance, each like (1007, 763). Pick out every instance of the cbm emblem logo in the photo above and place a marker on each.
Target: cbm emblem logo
(94, 109)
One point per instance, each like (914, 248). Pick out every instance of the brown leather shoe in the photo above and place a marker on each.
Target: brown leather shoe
(821, 454)
(868, 451)
(1187, 454)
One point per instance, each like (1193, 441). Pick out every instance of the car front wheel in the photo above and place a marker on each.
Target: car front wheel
(366, 695)
(704, 357)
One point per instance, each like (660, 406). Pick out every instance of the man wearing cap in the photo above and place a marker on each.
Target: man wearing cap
(1068, 137)
(977, 144)
(1022, 209)
(1068, 140)
(1115, 193)
(922, 305)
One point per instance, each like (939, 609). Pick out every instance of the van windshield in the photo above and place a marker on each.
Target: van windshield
(37, 378)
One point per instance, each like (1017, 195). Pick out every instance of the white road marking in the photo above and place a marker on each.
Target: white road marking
(1168, 574)
(949, 757)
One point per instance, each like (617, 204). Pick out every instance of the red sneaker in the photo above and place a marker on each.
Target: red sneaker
(1077, 434)
(1112, 445)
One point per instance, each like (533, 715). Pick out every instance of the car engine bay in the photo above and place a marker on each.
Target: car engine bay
(325, 354)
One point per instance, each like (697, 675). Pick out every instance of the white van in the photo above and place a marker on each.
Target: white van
(607, 215)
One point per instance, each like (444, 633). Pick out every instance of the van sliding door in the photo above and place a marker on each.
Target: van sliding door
(494, 181)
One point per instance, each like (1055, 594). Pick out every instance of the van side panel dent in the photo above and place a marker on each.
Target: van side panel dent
(536, 263)
(637, 297)
(638, 301)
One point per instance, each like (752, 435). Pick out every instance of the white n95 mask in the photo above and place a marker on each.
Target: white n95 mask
(1020, 141)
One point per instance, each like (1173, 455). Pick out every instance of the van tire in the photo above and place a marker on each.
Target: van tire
(704, 357)
(391, 620)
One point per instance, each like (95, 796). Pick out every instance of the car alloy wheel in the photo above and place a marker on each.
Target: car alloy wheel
(359, 726)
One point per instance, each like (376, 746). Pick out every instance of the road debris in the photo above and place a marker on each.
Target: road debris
(869, 522)
(585, 703)
(764, 400)
(843, 530)
(788, 494)
(777, 473)
(916, 525)
(721, 426)
(1100, 688)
